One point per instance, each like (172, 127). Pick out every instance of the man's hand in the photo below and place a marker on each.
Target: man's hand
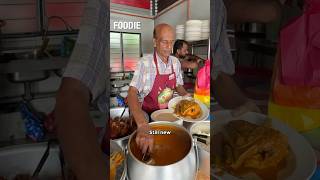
(144, 139)
(248, 106)
(181, 91)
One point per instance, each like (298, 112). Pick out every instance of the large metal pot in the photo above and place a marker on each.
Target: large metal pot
(117, 111)
(184, 169)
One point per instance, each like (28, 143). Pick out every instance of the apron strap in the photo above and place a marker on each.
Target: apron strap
(172, 71)
(156, 61)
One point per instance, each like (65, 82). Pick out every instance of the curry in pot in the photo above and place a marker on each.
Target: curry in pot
(168, 148)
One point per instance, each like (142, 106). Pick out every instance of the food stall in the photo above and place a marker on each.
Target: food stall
(182, 130)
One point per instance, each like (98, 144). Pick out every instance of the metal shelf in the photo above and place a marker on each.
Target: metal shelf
(199, 43)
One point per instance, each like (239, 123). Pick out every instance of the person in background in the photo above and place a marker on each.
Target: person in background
(180, 51)
(157, 75)
(224, 88)
(83, 83)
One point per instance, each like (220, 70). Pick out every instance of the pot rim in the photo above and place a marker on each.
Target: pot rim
(163, 123)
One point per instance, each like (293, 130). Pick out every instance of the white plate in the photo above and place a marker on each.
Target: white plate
(303, 152)
(205, 111)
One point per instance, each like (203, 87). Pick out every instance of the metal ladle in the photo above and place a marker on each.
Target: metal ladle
(146, 158)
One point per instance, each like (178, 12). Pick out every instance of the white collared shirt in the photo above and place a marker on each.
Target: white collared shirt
(146, 71)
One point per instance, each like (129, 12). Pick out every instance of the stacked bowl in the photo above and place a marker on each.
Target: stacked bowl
(205, 29)
(193, 30)
(180, 31)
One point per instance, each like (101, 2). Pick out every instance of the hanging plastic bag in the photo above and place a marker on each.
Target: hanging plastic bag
(300, 48)
(293, 95)
(297, 106)
(33, 124)
(202, 85)
(203, 76)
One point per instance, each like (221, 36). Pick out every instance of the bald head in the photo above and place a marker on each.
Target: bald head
(163, 39)
(160, 28)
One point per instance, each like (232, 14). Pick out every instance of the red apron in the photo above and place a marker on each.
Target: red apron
(162, 81)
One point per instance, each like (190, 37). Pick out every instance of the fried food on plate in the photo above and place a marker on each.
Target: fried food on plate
(253, 147)
(188, 109)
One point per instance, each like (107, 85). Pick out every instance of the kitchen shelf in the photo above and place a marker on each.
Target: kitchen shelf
(199, 43)
(31, 65)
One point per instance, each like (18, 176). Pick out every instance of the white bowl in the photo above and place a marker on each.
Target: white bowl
(193, 22)
(158, 112)
(202, 127)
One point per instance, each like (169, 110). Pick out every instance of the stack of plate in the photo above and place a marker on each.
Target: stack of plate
(205, 29)
(180, 31)
(193, 30)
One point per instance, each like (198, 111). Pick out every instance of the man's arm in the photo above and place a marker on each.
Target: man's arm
(143, 138)
(135, 106)
(185, 64)
(76, 131)
(230, 96)
(227, 93)
(181, 90)
(260, 11)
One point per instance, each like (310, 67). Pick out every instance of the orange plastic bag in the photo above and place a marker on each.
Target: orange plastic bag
(295, 96)
(297, 106)
(301, 119)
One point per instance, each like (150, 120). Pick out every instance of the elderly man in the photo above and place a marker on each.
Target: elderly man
(155, 78)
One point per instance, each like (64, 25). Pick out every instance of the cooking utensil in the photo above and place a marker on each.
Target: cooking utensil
(125, 107)
(147, 157)
(202, 140)
(200, 135)
(42, 160)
